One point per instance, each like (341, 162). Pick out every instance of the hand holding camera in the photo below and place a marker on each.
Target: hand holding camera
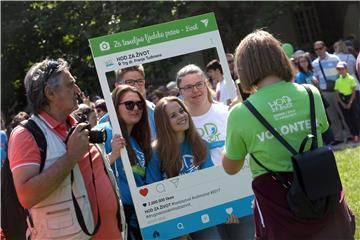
(81, 135)
(95, 136)
(77, 141)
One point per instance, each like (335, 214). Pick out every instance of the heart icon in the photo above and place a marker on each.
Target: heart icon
(144, 191)
(144, 204)
(229, 210)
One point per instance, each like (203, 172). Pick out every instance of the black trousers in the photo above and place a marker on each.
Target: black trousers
(351, 115)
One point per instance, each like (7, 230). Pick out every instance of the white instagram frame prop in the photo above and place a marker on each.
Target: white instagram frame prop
(187, 203)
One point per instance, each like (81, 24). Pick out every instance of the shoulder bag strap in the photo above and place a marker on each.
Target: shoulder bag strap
(322, 70)
(107, 168)
(267, 125)
(276, 176)
(40, 140)
(39, 137)
(312, 117)
(78, 212)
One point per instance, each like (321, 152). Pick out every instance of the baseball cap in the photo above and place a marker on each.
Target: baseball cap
(341, 64)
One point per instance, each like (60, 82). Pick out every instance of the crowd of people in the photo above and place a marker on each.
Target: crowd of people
(335, 75)
(194, 116)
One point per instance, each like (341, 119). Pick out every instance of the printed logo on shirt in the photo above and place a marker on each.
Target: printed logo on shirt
(188, 164)
(286, 129)
(209, 132)
(140, 157)
(281, 104)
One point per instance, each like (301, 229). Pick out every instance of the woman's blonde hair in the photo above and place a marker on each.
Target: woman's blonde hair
(193, 69)
(260, 55)
(166, 142)
(341, 47)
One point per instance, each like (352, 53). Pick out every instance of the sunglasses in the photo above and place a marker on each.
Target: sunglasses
(320, 48)
(52, 67)
(130, 105)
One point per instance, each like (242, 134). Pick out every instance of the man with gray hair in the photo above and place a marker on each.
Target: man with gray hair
(135, 76)
(71, 164)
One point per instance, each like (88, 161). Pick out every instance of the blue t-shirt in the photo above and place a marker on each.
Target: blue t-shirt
(3, 150)
(104, 118)
(329, 67)
(154, 173)
(118, 168)
(304, 78)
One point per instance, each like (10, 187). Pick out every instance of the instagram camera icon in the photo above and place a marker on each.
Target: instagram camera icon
(104, 46)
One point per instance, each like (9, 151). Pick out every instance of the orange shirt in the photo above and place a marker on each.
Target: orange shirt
(23, 151)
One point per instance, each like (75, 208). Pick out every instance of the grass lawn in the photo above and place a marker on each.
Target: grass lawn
(348, 162)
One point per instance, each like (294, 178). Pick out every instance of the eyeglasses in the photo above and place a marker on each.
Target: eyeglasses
(132, 82)
(320, 48)
(230, 61)
(98, 110)
(130, 105)
(189, 88)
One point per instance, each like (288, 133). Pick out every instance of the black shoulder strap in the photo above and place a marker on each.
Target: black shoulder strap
(39, 137)
(40, 140)
(322, 70)
(312, 117)
(269, 127)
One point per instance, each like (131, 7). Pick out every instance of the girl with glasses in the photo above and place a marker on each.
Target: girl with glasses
(210, 118)
(136, 137)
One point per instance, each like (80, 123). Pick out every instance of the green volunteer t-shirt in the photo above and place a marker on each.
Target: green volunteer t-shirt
(345, 85)
(286, 107)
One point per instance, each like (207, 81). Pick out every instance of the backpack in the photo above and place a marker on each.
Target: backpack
(13, 215)
(314, 191)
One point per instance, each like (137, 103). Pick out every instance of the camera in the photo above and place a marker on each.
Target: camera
(95, 136)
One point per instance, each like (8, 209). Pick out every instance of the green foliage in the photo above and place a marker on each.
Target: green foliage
(32, 31)
(348, 162)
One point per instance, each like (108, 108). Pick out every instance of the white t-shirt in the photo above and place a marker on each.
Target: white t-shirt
(222, 90)
(212, 128)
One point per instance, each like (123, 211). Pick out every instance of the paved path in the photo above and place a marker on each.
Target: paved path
(349, 144)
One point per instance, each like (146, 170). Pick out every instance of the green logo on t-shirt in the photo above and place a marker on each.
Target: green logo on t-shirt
(209, 131)
(280, 104)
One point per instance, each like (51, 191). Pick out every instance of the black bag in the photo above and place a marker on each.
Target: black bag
(13, 215)
(314, 192)
(330, 85)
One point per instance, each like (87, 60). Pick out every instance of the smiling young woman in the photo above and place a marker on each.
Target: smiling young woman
(132, 115)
